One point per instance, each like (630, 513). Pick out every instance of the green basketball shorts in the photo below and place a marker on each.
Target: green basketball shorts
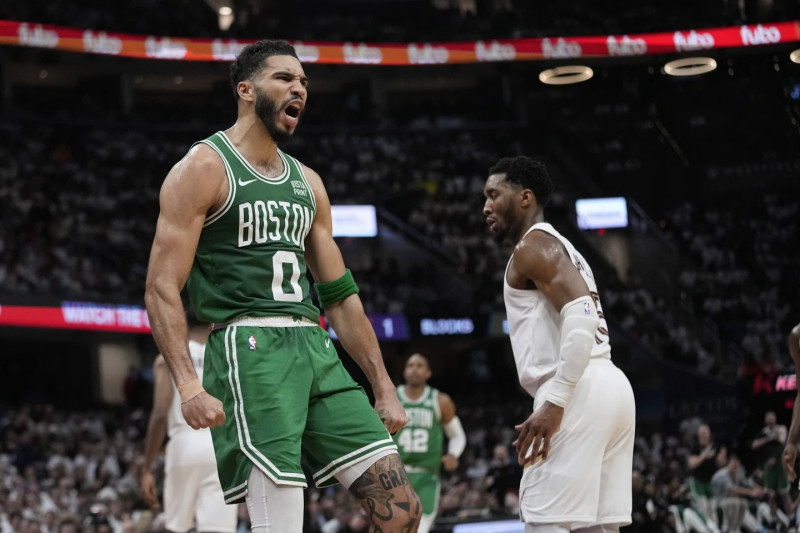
(427, 485)
(286, 394)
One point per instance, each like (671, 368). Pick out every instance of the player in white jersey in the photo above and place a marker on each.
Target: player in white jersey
(577, 445)
(192, 492)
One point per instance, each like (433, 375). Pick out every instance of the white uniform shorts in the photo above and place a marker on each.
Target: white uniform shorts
(192, 491)
(586, 479)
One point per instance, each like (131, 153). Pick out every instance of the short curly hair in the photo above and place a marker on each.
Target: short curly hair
(251, 59)
(528, 173)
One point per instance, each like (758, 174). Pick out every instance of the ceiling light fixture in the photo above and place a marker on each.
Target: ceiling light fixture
(690, 66)
(566, 75)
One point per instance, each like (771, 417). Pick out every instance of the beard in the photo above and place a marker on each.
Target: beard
(267, 111)
(499, 236)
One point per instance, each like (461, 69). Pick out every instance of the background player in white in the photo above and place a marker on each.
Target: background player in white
(577, 445)
(192, 492)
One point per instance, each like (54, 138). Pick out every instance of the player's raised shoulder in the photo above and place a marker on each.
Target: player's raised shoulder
(447, 407)
(202, 160)
(539, 248)
(198, 180)
(313, 177)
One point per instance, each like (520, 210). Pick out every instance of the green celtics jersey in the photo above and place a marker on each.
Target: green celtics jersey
(420, 442)
(249, 259)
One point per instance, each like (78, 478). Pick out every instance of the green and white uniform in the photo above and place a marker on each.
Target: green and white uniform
(420, 445)
(284, 390)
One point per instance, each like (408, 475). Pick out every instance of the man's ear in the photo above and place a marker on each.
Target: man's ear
(246, 90)
(527, 198)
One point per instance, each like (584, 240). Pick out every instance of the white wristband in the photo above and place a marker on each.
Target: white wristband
(457, 439)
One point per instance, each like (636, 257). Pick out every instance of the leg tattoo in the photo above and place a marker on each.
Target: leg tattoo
(387, 496)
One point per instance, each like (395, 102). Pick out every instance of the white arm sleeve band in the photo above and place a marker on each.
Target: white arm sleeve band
(457, 439)
(579, 323)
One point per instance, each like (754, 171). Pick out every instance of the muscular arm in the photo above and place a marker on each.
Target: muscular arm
(792, 440)
(542, 260)
(156, 427)
(447, 408)
(347, 317)
(457, 439)
(193, 187)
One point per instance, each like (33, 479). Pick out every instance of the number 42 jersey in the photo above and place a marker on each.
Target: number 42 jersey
(420, 442)
(250, 256)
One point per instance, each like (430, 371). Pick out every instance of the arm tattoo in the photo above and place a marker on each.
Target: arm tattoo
(388, 497)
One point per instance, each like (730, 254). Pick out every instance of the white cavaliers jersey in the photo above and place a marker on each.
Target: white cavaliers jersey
(175, 421)
(535, 325)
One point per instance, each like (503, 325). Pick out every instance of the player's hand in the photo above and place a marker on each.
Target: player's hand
(149, 491)
(450, 462)
(789, 458)
(391, 412)
(538, 429)
(203, 411)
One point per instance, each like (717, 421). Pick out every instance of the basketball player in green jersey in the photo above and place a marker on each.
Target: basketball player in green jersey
(420, 443)
(240, 223)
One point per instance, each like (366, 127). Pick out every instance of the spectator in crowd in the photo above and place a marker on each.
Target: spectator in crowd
(771, 518)
(684, 515)
(793, 439)
(502, 480)
(704, 460)
(649, 513)
(769, 446)
(734, 492)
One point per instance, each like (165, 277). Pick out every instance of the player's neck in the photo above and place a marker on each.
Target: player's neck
(414, 392)
(251, 139)
(526, 224)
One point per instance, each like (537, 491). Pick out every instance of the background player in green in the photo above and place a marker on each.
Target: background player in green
(241, 220)
(420, 443)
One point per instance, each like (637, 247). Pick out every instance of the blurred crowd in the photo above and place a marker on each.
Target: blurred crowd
(743, 255)
(695, 480)
(77, 472)
(81, 204)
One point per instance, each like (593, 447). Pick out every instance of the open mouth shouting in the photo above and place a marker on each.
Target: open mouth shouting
(292, 112)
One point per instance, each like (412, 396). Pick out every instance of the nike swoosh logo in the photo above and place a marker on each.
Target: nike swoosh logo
(248, 182)
(327, 343)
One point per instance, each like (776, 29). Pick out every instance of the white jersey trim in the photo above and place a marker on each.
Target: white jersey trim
(216, 215)
(277, 180)
(299, 167)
